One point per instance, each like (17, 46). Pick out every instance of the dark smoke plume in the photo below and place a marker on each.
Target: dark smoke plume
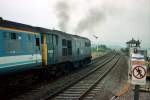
(94, 17)
(62, 10)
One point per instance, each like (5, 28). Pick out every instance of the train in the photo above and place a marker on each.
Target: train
(25, 47)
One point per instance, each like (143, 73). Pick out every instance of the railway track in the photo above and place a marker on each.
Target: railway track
(12, 87)
(53, 88)
(87, 84)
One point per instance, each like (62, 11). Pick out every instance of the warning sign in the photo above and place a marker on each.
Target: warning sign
(139, 74)
(138, 69)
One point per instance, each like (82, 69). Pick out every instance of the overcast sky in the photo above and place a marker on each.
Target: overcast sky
(114, 22)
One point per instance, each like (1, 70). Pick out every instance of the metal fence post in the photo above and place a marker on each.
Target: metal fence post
(136, 92)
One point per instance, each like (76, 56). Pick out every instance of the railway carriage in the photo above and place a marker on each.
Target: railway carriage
(24, 47)
(19, 47)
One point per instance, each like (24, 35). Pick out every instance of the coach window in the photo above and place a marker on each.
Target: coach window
(37, 42)
(42, 38)
(13, 36)
(6, 35)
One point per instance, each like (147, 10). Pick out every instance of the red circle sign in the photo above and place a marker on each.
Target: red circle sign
(139, 72)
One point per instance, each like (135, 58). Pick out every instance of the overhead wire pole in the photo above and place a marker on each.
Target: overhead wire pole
(96, 37)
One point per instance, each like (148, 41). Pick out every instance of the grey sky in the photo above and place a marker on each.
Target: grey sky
(113, 21)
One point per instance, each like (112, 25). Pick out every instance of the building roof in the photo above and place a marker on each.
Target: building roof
(133, 41)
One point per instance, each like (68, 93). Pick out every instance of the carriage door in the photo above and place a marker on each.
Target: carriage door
(52, 41)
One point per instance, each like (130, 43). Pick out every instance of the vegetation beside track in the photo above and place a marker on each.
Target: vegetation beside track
(99, 50)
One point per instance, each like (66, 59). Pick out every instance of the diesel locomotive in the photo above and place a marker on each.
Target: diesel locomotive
(24, 47)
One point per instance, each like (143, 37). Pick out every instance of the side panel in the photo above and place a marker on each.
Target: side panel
(52, 48)
(81, 49)
(78, 49)
(65, 48)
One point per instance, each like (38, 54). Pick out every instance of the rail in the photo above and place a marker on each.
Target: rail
(88, 74)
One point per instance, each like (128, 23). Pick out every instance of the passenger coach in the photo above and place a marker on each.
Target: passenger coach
(19, 47)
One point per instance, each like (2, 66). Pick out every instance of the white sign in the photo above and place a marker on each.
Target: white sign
(138, 75)
(138, 69)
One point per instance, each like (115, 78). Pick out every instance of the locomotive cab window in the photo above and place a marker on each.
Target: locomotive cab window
(87, 44)
(69, 46)
(64, 47)
(55, 40)
(64, 42)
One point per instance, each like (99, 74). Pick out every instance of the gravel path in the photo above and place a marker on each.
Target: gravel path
(114, 81)
(130, 95)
